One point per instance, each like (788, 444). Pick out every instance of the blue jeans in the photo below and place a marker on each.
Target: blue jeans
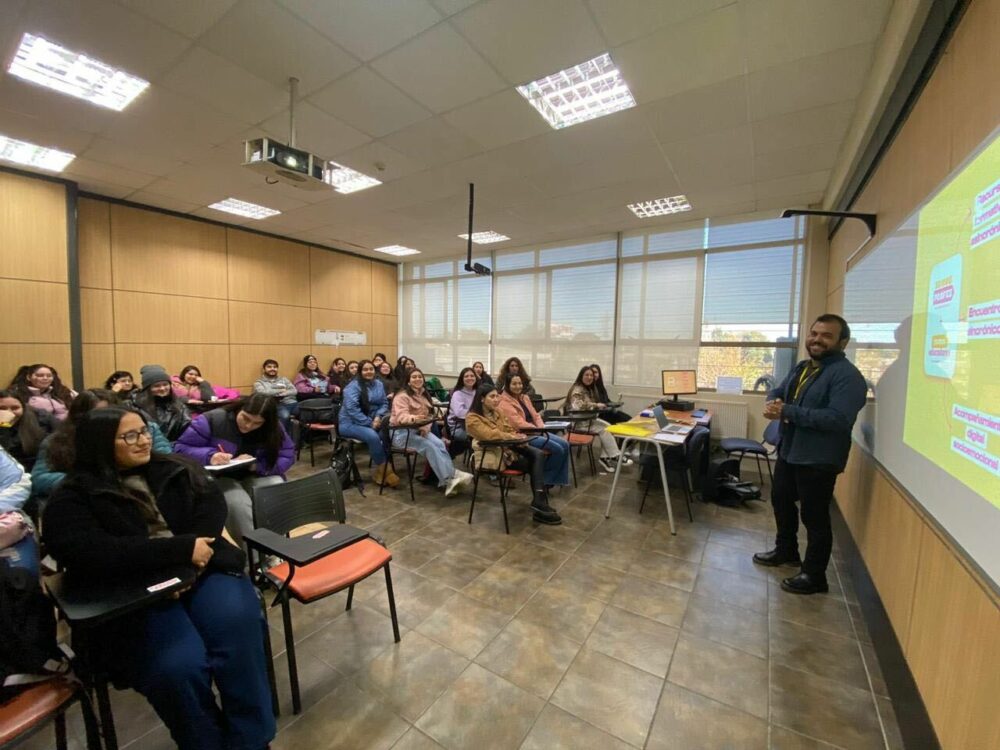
(285, 414)
(22, 554)
(213, 632)
(557, 462)
(430, 447)
(370, 437)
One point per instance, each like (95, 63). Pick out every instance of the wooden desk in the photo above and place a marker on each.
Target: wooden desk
(642, 430)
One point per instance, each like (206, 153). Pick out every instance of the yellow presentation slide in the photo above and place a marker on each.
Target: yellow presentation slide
(953, 387)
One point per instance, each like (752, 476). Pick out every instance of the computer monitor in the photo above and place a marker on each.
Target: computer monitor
(679, 383)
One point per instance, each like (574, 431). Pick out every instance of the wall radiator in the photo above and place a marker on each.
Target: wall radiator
(729, 418)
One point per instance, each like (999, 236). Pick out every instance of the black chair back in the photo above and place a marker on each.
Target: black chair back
(317, 411)
(314, 499)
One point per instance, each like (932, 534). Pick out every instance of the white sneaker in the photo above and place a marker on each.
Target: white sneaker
(609, 464)
(457, 482)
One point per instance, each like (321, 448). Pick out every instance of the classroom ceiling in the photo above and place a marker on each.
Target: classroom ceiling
(742, 106)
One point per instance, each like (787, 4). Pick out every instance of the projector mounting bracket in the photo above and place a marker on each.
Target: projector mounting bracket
(870, 220)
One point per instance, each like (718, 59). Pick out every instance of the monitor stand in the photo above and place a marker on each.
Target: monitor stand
(675, 405)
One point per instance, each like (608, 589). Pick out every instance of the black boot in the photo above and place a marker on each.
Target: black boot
(544, 513)
(776, 557)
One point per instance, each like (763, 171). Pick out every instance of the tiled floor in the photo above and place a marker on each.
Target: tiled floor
(594, 634)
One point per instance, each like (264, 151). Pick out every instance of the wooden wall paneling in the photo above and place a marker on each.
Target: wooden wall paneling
(326, 354)
(384, 330)
(340, 320)
(265, 269)
(339, 281)
(251, 323)
(98, 364)
(973, 55)
(154, 252)
(246, 360)
(385, 282)
(33, 311)
(97, 316)
(93, 232)
(144, 318)
(952, 649)
(32, 229)
(211, 359)
(12, 356)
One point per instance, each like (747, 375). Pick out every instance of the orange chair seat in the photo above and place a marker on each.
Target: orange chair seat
(579, 438)
(320, 426)
(512, 473)
(333, 572)
(32, 706)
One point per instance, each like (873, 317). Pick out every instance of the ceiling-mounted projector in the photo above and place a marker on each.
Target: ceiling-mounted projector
(286, 164)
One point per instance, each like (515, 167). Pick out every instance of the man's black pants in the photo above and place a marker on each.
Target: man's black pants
(812, 488)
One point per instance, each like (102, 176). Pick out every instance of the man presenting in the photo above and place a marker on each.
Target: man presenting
(817, 405)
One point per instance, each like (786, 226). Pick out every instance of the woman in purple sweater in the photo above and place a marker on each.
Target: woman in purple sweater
(248, 428)
(458, 407)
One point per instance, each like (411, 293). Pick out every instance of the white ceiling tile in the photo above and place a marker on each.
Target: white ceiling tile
(46, 106)
(719, 106)
(366, 29)
(624, 20)
(498, 120)
(706, 200)
(432, 142)
(380, 161)
(801, 200)
(816, 125)
(147, 198)
(238, 221)
(799, 160)
(108, 32)
(809, 82)
(369, 103)
(107, 189)
(601, 172)
(187, 189)
(439, 69)
(191, 21)
(712, 160)
(264, 196)
(50, 133)
(316, 131)
(526, 39)
(819, 26)
(225, 86)
(129, 157)
(794, 185)
(87, 169)
(698, 52)
(273, 44)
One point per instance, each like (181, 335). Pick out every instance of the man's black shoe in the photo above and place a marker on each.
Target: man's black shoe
(776, 557)
(804, 583)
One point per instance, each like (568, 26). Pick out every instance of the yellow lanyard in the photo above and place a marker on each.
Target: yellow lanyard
(807, 372)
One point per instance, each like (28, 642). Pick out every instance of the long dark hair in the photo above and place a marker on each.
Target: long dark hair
(409, 389)
(363, 386)
(477, 402)
(185, 371)
(269, 435)
(22, 382)
(505, 373)
(306, 372)
(578, 381)
(62, 447)
(337, 378)
(599, 387)
(459, 385)
(29, 431)
(116, 376)
(147, 401)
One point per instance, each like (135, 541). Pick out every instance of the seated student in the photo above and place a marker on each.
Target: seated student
(581, 397)
(412, 405)
(363, 414)
(513, 366)
(486, 422)
(378, 359)
(159, 404)
(122, 383)
(388, 381)
(311, 381)
(192, 386)
(39, 387)
(55, 456)
(246, 428)
(484, 377)
(125, 509)
(352, 371)
(401, 372)
(516, 406)
(282, 389)
(611, 416)
(458, 408)
(338, 376)
(18, 547)
(22, 429)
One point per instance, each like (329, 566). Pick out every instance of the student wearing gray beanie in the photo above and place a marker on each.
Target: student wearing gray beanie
(160, 404)
(153, 374)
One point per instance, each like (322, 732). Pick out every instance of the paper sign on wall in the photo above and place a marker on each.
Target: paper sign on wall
(336, 338)
(729, 384)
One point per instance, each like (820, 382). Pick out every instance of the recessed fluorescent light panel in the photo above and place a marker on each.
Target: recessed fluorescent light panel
(30, 155)
(397, 250)
(486, 238)
(243, 208)
(675, 204)
(346, 180)
(40, 61)
(584, 92)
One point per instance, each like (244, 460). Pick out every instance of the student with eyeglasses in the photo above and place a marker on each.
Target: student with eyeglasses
(124, 509)
(248, 428)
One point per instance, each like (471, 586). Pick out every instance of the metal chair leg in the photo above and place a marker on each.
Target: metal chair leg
(60, 725)
(411, 466)
(92, 731)
(644, 493)
(572, 465)
(392, 604)
(350, 598)
(269, 656)
(107, 718)
(293, 670)
(475, 489)
(504, 487)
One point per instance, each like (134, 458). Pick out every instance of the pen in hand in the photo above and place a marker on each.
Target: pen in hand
(221, 457)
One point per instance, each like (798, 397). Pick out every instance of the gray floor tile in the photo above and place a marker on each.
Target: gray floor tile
(643, 597)
(464, 625)
(732, 588)
(557, 729)
(665, 569)
(529, 655)
(707, 617)
(634, 639)
(722, 673)
(809, 650)
(588, 579)
(563, 610)
(454, 568)
(689, 721)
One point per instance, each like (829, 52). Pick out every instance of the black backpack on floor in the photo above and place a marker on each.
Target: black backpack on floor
(723, 485)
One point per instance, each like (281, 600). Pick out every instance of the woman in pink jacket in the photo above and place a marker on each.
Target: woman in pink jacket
(412, 406)
(516, 406)
(192, 386)
(39, 387)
